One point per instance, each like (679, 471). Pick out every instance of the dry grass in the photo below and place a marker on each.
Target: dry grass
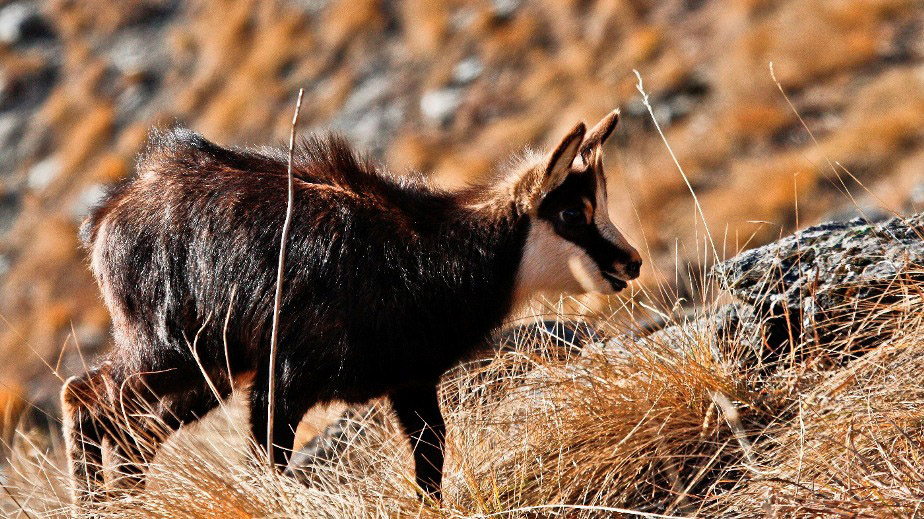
(682, 423)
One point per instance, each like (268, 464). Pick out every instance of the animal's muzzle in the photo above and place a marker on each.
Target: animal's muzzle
(632, 264)
(633, 268)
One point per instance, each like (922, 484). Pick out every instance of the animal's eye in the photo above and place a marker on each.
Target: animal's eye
(573, 216)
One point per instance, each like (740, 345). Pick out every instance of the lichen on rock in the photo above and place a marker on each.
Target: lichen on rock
(820, 272)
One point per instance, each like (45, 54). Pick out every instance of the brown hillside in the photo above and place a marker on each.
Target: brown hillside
(451, 87)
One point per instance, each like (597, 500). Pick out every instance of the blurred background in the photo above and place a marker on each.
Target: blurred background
(451, 88)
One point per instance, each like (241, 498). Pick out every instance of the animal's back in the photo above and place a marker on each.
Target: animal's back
(181, 163)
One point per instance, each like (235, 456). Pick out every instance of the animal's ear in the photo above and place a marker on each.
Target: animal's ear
(558, 164)
(540, 178)
(597, 135)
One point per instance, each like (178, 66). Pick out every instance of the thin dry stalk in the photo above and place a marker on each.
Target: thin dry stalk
(277, 303)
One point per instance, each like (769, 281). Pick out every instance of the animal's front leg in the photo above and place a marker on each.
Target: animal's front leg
(291, 400)
(418, 411)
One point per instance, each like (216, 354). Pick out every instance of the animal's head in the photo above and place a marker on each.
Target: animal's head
(572, 245)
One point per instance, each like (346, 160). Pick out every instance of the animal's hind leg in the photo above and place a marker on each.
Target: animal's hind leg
(86, 402)
(152, 407)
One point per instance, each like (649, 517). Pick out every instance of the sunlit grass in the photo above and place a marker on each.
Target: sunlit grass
(684, 422)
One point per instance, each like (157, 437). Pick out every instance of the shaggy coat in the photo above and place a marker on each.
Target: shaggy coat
(388, 283)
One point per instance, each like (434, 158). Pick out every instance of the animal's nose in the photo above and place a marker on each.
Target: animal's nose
(633, 265)
(633, 268)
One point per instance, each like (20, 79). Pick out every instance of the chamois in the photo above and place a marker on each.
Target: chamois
(388, 283)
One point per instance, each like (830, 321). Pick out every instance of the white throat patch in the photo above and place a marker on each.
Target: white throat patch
(553, 265)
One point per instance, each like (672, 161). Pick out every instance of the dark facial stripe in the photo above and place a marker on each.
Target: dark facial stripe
(571, 194)
(603, 252)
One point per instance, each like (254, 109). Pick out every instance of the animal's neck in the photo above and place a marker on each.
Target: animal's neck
(489, 241)
(466, 254)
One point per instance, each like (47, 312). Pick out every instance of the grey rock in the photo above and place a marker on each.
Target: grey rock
(26, 91)
(358, 430)
(916, 197)
(462, 18)
(11, 128)
(89, 198)
(504, 9)
(813, 274)
(440, 105)
(467, 70)
(312, 7)
(872, 214)
(561, 335)
(136, 101)
(10, 206)
(335, 438)
(139, 51)
(729, 326)
(12, 18)
(673, 104)
(372, 112)
(22, 21)
(43, 173)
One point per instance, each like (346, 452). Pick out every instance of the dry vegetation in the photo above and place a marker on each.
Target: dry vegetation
(683, 423)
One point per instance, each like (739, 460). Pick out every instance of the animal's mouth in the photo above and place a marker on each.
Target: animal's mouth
(613, 279)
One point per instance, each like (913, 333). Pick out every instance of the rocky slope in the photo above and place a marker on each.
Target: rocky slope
(452, 88)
